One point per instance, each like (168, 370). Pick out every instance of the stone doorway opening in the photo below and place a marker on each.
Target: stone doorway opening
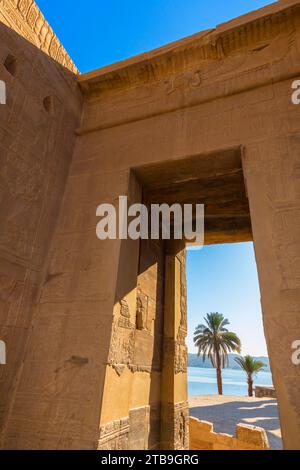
(148, 355)
(223, 278)
(214, 179)
(217, 181)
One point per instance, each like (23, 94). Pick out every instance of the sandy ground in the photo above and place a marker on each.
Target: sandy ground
(226, 412)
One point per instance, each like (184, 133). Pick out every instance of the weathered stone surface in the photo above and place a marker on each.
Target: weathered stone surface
(265, 392)
(24, 17)
(139, 428)
(208, 119)
(36, 146)
(175, 426)
(203, 437)
(115, 435)
(252, 435)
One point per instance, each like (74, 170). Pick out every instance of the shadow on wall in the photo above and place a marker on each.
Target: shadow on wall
(37, 127)
(226, 416)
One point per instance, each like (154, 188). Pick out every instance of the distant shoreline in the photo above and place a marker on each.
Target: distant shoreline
(196, 361)
(226, 368)
(203, 381)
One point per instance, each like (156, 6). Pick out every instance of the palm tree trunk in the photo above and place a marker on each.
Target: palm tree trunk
(219, 380)
(250, 386)
(219, 374)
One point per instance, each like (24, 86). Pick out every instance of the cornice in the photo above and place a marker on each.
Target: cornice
(198, 50)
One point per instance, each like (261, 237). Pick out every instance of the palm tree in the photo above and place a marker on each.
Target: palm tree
(214, 341)
(251, 366)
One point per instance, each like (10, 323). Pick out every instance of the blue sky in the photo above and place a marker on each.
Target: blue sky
(100, 32)
(223, 278)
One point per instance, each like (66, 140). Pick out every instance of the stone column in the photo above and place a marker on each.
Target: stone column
(115, 420)
(174, 412)
(272, 181)
(130, 414)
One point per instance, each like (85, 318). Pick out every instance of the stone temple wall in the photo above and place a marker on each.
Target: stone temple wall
(24, 17)
(37, 135)
(135, 361)
(147, 363)
(82, 319)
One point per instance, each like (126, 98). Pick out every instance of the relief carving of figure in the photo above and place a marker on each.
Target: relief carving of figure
(122, 341)
(142, 312)
(125, 309)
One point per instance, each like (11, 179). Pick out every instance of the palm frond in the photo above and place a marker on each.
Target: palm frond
(249, 364)
(214, 341)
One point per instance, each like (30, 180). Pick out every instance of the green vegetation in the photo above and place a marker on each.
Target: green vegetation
(251, 367)
(215, 342)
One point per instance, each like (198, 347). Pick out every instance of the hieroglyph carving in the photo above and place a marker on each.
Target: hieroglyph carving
(121, 352)
(181, 351)
(122, 347)
(181, 357)
(181, 423)
(25, 18)
(114, 435)
(185, 80)
(142, 311)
